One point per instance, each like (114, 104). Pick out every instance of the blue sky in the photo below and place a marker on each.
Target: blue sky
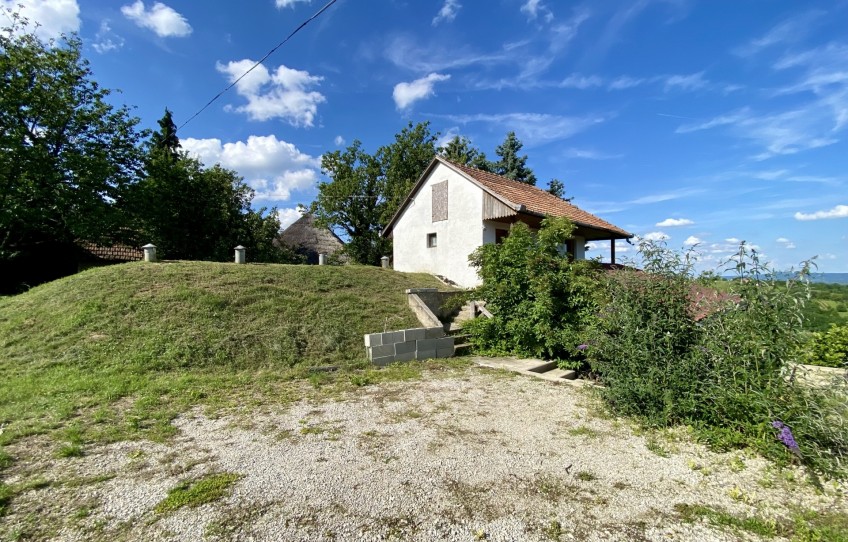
(701, 122)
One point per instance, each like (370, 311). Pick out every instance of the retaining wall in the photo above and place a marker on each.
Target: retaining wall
(407, 345)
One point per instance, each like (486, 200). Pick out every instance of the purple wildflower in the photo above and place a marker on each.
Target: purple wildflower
(785, 436)
(582, 347)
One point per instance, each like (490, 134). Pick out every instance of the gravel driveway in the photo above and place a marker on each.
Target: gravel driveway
(476, 455)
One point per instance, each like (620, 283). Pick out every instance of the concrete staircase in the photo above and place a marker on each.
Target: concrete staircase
(454, 329)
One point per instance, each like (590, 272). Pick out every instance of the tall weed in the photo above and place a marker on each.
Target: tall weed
(671, 351)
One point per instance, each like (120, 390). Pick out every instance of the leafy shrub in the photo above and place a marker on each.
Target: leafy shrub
(539, 297)
(828, 349)
(726, 373)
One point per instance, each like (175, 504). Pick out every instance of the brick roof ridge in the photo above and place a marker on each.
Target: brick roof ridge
(567, 209)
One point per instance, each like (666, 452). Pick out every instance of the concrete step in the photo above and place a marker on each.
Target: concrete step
(461, 349)
(559, 374)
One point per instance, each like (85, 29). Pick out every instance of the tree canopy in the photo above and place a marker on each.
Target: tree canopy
(191, 212)
(512, 165)
(460, 151)
(65, 153)
(366, 190)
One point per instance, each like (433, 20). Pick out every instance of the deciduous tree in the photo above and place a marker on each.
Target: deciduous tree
(66, 155)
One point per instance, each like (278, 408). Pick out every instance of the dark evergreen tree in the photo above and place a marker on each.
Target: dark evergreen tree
(557, 188)
(460, 151)
(166, 138)
(195, 213)
(511, 164)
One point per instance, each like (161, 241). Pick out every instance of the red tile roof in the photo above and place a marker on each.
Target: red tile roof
(536, 200)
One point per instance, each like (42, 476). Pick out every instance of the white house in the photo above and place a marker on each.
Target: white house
(453, 209)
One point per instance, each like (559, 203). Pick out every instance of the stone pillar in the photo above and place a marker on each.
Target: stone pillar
(240, 254)
(322, 259)
(149, 252)
(384, 262)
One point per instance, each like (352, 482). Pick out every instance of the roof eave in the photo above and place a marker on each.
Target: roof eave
(613, 233)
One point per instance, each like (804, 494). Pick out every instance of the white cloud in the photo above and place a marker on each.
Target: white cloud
(589, 154)
(788, 132)
(787, 31)
(533, 128)
(733, 240)
(656, 236)
(406, 94)
(782, 240)
(692, 241)
(54, 17)
(339, 141)
(161, 19)
(672, 222)
(694, 81)
(786, 243)
(289, 3)
(535, 8)
(106, 40)
(581, 82)
(283, 94)
(840, 211)
(448, 12)
(625, 82)
(272, 167)
(288, 216)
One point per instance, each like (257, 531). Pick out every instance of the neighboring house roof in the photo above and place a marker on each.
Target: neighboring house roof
(113, 253)
(521, 197)
(305, 238)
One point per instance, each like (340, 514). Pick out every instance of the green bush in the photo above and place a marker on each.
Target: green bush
(828, 349)
(540, 298)
(724, 374)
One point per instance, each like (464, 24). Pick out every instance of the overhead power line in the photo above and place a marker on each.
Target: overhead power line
(261, 60)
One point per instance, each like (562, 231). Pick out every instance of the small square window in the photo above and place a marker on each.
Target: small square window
(431, 240)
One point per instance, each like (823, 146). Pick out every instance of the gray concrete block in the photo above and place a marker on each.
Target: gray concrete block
(406, 356)
(414, 334)
(434, 332)
(444, 352)
(374, 339)
(435, 344)
(383, 361)
(380, 351)
(425, 354)
(404, 347)
(391, 337)
(420, 290)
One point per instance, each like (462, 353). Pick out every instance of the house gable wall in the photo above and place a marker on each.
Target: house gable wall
(456, 237)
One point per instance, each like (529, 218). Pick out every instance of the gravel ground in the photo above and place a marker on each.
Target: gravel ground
(477, 455)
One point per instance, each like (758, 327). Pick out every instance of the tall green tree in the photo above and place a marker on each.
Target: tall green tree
(353, 201)
(365, 190)
(557, 188)
(66, 155)
(402, 162)
(511, 164)
(191, 212)
(461, 151)
(166, 139)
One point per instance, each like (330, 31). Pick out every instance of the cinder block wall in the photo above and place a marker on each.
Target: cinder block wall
(408, 344)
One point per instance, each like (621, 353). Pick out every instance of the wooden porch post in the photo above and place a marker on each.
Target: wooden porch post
(612, 251)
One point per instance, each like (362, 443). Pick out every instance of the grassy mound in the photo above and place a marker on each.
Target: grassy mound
(154, 338)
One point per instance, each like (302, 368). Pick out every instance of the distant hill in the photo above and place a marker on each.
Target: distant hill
(830, 278)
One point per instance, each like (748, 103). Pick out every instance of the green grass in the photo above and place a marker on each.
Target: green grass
(117, 352)
(804, 526)
(197, 492)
